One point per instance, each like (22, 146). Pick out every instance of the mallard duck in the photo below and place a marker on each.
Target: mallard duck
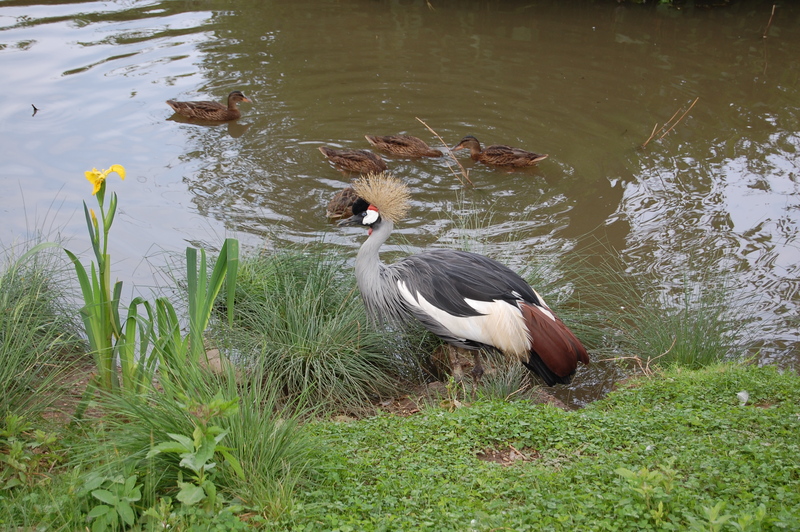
(341, 204)
(403, 145)
(498, 155)
(211, 111)
(359, 161)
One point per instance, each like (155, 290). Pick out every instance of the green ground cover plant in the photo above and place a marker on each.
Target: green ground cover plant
(677, 452)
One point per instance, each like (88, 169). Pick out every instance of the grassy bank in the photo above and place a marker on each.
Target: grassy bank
(249, 446)
(287, 429)
(678, 452)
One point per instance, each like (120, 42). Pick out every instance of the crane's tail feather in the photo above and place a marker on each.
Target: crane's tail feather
(555, 350)
(535, 365)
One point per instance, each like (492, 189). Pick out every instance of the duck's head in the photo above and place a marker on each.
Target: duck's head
(468, 142)
(238, 96)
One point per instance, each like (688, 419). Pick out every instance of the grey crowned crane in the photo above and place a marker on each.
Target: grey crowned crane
(468, 300)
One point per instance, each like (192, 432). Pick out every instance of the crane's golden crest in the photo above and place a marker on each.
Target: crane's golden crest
(386, 192)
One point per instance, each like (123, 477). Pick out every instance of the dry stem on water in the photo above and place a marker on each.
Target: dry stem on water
(654, 133)
(464, 171)
(770, 21)
(645, 369)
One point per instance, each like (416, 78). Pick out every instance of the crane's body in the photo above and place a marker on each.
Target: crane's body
(468, 300)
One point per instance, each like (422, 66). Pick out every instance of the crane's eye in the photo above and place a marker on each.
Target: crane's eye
(371, 216)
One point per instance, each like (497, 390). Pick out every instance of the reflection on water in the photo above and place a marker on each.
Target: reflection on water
(235, 129)
(585, 82)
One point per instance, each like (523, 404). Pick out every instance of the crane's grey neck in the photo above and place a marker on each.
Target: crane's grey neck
(377, 282)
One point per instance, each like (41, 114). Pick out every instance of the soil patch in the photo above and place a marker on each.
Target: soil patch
(509, 456)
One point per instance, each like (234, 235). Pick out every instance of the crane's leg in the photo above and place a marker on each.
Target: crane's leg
(455, 364)
(477, 369)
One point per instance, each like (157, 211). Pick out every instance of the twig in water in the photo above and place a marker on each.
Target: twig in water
(681, 118)
(645, 371)
(464, 172)
(649, 360)
(770, 20)
(645, 368)
(654, 133)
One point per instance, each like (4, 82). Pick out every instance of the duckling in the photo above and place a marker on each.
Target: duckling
(211, 111)
(498, 155)
(359, 161)
(341, 205)
(403, 145)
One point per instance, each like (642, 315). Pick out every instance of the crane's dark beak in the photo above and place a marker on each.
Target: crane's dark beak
(353, 221)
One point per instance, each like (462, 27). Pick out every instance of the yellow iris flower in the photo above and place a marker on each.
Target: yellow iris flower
(97, 177)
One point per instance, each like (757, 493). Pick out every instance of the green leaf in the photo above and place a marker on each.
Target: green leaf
(234, 463)
(112, 210)
(83, 278)
(97, 511)
(93, 481)
(167, 447)
(190, 494)
(126, 513)
(101, 524)
(231, 250)
(132, 492)
(185, 441)
(106, 497)
(116, 323)
(196, 463)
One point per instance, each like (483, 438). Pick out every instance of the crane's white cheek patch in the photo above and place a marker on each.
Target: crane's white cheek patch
(370, 217)
(500, 324)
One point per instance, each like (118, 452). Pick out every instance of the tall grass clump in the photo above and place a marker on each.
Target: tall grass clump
(699, 324)
(698, 320)
(299, 320)
(510, 380)
(36, 332)
(213, 445)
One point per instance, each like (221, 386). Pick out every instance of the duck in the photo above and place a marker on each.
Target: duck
(211, 111)
(403, 145)
(358, 161)
(341, 204)
(499, 154)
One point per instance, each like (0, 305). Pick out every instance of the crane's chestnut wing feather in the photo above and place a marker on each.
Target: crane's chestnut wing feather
(555, 346)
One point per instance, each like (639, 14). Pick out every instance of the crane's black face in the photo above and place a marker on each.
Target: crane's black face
(364, 214)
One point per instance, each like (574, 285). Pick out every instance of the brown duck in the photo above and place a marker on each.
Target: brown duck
(341, 205)
(498, 155)
(211, 111)
(403, 145)
(359, 161)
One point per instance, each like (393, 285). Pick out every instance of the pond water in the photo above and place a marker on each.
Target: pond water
(587, 82)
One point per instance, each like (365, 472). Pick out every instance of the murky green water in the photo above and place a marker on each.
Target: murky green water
(584, 82)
